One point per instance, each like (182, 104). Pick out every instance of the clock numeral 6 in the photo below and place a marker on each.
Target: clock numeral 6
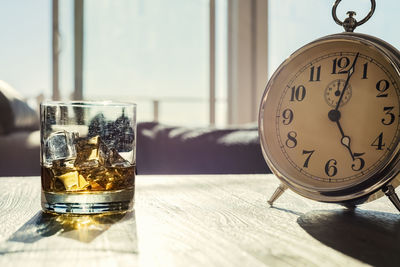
(298, 93)
(287, 116)
(330, 168)
(291, 142)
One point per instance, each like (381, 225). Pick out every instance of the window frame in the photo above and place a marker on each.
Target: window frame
(247, 41)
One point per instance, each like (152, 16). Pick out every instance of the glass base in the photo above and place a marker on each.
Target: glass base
(88, 202)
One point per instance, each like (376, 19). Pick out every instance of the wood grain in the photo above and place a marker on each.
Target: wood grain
(210, 220)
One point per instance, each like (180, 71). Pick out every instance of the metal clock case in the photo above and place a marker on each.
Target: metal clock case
(329, 119)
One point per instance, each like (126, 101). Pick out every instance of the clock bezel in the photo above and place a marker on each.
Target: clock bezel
(370, 188)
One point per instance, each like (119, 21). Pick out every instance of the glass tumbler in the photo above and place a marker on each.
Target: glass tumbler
(87, 156)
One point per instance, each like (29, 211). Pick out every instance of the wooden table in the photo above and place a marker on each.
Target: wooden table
(215, 220)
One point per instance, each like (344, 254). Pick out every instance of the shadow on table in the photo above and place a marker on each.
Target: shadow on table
(369, 236)
(83, 228)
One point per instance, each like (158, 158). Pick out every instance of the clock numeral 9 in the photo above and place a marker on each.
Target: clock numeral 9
(382, 86)
(392, 116)
(330, 168)
(298, 93)
(287, 115)
(341, 64)
(291, 142)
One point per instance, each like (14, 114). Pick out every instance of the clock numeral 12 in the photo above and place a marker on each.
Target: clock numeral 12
(317, 76)
(342, 63)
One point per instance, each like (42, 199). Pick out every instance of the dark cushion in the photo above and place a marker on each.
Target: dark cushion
(163, 149)
(20, 154)
(16, 115)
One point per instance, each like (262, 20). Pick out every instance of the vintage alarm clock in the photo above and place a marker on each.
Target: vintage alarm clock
(329, 118)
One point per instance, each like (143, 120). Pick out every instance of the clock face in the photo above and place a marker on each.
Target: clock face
(330, 117)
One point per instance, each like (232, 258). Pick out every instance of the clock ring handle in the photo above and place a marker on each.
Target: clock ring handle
(351, 23)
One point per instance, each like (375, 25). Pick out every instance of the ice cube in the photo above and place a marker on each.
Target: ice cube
(91, 153)
(73, 181)
(59, 146)
(114, 159)
(61, 166)
(97, 177)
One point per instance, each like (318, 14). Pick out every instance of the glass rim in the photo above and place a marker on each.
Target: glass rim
(87, 103)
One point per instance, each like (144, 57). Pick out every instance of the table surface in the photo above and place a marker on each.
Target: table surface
(198, 220)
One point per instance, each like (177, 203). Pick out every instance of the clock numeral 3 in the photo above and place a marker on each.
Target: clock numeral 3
(291, 142)
(287, 116)
(341, 64)
(298, 93)
(382, 86)
(392, 116)
(330, 168)
(378, 142)
(309, 152)
(317, 76)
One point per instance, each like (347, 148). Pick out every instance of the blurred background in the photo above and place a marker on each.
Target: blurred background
(184, 62)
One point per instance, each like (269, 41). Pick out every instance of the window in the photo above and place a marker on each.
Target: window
(25, 46)
(152, 52)
(161, 54)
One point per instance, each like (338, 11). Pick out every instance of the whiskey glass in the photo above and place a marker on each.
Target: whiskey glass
(87, 156)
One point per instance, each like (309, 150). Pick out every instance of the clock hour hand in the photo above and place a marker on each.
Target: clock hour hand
(349, 74)
(334, 115)
(346, 142)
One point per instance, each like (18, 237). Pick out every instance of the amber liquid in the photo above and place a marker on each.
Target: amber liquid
(71, 179)
(95, 179)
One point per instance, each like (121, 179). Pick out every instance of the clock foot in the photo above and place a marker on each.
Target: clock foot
(391, 193)
(278, 192)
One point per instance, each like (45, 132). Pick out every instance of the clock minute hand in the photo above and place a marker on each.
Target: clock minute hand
(345, 140)
(349, 74)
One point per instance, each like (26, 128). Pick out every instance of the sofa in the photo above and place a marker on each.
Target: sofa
(161, 149)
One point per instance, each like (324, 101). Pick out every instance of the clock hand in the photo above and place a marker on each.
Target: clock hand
(345, 140)
(349, 74)
(334, 115)
(337, 92)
